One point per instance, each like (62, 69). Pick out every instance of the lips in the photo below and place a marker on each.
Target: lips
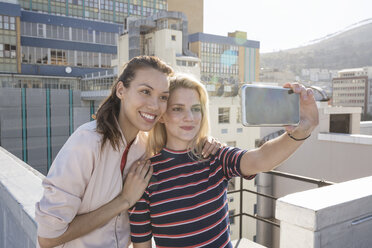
(187, 128)
(148, 117)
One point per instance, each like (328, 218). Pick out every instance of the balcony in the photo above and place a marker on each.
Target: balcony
(338, 215)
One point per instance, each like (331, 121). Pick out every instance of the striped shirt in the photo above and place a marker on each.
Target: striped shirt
(185, 204)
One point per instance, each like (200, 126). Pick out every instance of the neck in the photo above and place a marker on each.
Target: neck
(177, 146)
(128, 130)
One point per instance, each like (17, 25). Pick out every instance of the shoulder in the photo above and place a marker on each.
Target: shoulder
(85, 137)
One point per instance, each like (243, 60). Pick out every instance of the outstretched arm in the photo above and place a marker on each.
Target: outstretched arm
(277, 150)
(134, 186)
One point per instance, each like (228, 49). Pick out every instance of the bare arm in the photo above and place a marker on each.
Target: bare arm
(275, 151)
(134, 186)
(146, 244)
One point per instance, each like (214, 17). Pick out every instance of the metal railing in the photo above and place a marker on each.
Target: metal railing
(273, 221)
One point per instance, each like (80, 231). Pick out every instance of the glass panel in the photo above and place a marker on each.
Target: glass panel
(45, 55)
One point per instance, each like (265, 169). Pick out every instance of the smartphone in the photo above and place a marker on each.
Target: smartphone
(269, 106)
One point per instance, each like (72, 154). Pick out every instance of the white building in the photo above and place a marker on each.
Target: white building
(352, 88)
(164, 35)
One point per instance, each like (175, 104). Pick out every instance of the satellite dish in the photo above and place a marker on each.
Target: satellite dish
(68, 69)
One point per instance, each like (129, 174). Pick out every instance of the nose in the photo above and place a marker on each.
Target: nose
(189, 116)
(153, 103)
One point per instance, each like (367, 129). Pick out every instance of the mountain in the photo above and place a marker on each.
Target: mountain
(348, 48)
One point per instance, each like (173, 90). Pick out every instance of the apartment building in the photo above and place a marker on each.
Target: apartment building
(163, 35)
(353, 88)
(50, 44)
(226, 61)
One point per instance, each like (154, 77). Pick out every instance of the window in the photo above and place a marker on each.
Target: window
(8, 51)
(339, 123)
(40, 30)
(58, 57)
(232, 219)
(7, 22)
(224, 130)
(239, 130)
(223, 115)
(173, 37)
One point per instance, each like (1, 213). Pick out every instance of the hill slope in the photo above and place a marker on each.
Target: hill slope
(348, 49)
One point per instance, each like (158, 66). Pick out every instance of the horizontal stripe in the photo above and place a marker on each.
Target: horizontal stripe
(152, 204)
(67, 45)
(161, 162)
(10, 9)
(140, 234)
(173, 167)
(177, 236)
(186, 185)
(32, 16)
(179, 176)
(140, 222)
(215, 238)
(188, 208)
(190, 220)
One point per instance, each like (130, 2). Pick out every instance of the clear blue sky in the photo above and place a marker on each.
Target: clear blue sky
(283, 24)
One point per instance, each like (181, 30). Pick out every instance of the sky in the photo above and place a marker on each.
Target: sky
(283, 24)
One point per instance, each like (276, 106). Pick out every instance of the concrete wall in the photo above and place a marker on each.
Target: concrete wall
(26, 136)
(333, 216)
(166, 48)
(123, 54)
(329, 156)
(20, 189)
(366, 127)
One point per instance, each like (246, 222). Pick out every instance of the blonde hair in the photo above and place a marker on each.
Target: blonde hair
(158, 135)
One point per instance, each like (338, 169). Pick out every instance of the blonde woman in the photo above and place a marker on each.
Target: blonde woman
(185, 204)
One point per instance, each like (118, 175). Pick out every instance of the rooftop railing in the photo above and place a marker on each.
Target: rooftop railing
(272, 221)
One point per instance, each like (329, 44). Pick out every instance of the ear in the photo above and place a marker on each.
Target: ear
(120, 90)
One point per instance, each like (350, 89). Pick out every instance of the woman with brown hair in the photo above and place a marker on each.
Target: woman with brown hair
(85, 202)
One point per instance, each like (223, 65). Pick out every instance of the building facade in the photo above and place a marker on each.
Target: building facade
(163, 35)
(353, 88)
(226, 62)
(113, 11)
(194, 11)
(70, 39)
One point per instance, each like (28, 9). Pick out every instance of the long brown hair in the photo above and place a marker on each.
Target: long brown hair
(158, 135)
(108, 112)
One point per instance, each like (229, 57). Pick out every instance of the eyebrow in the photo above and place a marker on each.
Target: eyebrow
(179, 104)
(144, 84)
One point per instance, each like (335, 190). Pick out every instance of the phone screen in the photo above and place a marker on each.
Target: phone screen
(269, 106)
